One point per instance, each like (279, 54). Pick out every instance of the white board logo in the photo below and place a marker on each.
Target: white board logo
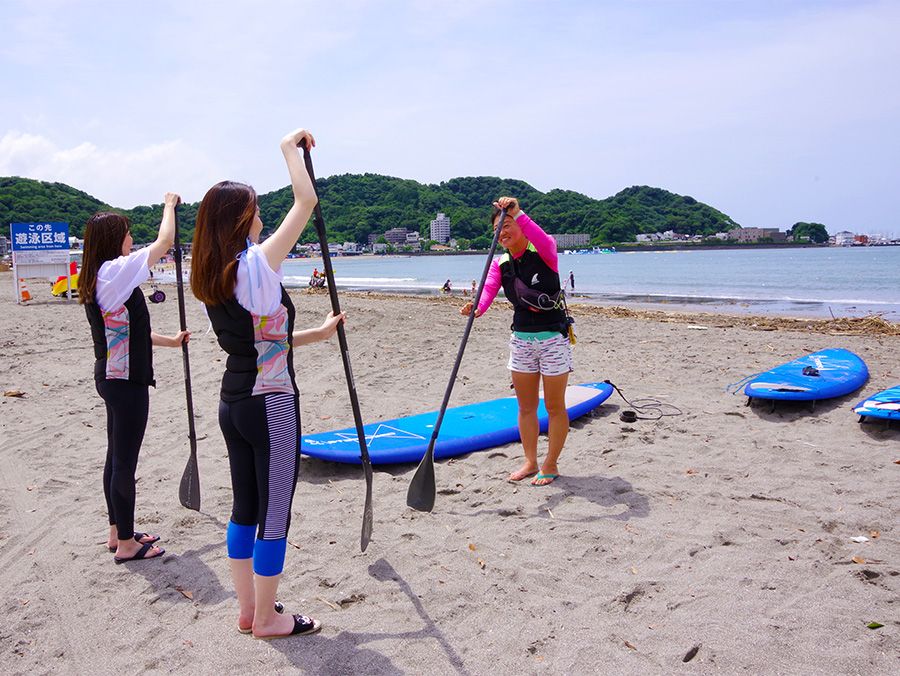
(381, 432)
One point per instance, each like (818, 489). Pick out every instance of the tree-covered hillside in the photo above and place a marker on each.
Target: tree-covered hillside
(356, 205)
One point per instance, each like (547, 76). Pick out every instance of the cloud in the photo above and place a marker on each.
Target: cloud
(122, 177)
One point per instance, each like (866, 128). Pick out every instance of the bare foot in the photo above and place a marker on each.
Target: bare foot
(245, 622)
(523, 472)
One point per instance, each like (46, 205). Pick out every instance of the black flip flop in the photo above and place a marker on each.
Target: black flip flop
(141, 554)
(302, 625)
(137, 538)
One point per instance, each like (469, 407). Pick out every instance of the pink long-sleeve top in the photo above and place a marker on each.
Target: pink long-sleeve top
(546, 248)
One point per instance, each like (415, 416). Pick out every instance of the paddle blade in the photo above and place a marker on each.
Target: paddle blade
(422, 488)
(189, 490)
(368, 515)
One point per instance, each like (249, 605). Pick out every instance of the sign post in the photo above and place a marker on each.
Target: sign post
(40, 250)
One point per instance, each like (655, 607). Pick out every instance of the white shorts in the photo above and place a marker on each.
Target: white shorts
(549, 357)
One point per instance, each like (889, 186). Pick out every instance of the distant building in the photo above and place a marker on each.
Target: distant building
(756, 234)
(666, 236)
(440, 228)
(396, 236)
(844, 238)
(4, 245)
(567, 240)
(413, 243)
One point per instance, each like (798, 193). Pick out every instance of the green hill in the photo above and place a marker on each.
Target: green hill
(355, 205)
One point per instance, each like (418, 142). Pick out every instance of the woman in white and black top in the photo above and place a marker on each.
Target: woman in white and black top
(109, 288)
(239, 280)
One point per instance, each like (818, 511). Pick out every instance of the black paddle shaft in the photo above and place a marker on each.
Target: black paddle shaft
(189, 490)
(366, 533)
(422, 488)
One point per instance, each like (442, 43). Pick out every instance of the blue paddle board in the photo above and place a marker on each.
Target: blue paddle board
(885, 404)
(464, 429)
(820, 375)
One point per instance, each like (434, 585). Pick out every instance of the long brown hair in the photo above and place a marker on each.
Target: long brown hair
(104, 234)
(223, 224)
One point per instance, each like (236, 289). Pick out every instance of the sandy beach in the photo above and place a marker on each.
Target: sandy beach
(726, 529)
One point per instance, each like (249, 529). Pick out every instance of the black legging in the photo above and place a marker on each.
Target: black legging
(261, 434)
(127, 407)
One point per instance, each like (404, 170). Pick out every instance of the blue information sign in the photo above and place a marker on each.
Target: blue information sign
(39, 236)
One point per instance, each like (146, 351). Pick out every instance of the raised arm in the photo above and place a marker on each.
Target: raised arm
(282, 241)
(166, 237)
(544, 243)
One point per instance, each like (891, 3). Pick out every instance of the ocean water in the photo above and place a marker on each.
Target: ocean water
(845, 282)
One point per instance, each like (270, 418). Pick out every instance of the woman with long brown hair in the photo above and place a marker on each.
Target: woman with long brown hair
(109, 288)
(239, 280)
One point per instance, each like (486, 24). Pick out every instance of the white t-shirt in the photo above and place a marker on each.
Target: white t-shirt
(118, 278)
(258, 287)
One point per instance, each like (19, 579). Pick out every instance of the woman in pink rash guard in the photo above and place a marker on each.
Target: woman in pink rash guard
(539, 348)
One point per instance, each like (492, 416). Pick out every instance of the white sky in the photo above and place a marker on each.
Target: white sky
(773, 111)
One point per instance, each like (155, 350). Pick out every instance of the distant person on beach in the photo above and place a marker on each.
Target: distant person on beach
(474, 288)
(239, 280)
(539, 348)
(109, 288)
(572, 281)
(446, 288)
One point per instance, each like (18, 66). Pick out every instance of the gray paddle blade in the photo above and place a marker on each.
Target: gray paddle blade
(366, 534)
(189, 490)
(422, 488)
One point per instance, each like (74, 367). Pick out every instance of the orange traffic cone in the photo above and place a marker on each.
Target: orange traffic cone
(23, 291)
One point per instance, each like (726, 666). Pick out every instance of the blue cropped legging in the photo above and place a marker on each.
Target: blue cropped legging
(261, 434)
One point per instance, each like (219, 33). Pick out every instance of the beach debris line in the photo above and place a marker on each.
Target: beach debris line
(873, 324)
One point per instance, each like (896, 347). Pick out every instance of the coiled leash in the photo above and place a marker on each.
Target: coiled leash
(643, 409)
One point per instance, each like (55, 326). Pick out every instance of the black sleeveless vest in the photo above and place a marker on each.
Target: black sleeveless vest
(534, 290)
(237, 335)
(122, 346)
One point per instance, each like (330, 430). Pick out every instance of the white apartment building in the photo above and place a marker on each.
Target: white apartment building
(440, 228)
(844, 238)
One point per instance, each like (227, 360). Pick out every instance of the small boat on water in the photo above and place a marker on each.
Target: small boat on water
(594, 250)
